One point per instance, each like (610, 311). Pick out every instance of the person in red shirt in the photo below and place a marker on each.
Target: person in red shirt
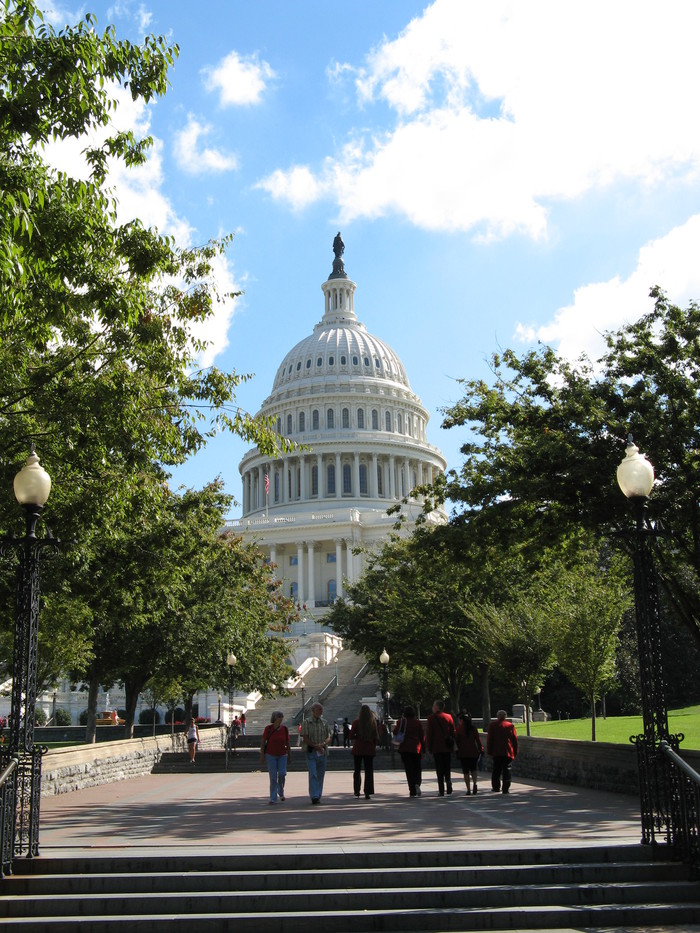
(440, 742)
(502, 746)
(365, 734)
(469, 748)
(273, 753)
(411, 749)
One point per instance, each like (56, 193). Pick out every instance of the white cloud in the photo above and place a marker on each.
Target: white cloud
(502, 108)
(194, 160)
(240, 79)
(297, 186)
(670, 262)
(215, 329)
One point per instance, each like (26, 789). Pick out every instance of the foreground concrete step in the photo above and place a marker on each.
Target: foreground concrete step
(498, 920)
(327, 878)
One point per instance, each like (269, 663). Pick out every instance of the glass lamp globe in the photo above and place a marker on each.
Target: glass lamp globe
(635, 475)
(384, 657)
(230, 659)
(32, 483)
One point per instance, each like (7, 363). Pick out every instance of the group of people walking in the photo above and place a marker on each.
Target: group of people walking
(441, 738)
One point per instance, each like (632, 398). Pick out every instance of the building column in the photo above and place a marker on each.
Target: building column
(302, 479)
(311, 596)
(260, 498)
(373, 491)
(407, 470)
(392, 477)
(300, 572)
(356, 475)
(338, 477)
(321, 477)
(420, 473)
(338, 567)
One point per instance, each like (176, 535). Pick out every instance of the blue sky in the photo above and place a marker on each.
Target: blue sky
(501, 172)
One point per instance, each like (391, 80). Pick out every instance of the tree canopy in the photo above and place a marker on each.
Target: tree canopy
(546, 437)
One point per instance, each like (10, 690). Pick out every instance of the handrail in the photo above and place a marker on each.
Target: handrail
(361, 673)
(333, 682)
(683, 765)
(13, 765)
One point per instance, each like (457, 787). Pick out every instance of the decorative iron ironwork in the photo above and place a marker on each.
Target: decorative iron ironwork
(21, 793)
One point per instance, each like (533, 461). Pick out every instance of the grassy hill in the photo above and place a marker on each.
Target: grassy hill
(619, 728)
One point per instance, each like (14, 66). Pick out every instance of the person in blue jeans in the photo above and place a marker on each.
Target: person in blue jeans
(315, 736)
(273, 754)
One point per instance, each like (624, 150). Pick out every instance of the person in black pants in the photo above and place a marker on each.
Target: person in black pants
(411, 749)
(440, 741)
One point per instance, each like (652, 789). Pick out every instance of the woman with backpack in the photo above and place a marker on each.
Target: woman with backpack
(273, 753)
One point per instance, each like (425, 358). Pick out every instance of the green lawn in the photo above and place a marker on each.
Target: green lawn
(619, 728)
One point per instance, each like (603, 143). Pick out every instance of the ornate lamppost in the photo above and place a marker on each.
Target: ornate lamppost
(231, 661)
(20, 757)
(303, 698)
(384, 661)
(635, 476)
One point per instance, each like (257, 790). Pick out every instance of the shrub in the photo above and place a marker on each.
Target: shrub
(146, 716)
(179, 715)
(82, 719)
(63, 718)
(40, 716)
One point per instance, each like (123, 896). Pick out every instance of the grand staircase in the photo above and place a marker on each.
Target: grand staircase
(354, 683)
(615, 888)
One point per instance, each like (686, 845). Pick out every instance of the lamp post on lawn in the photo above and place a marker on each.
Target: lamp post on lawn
(303, 698)
(384, 661)
(20, 794)
(635, 476)
(231, 661)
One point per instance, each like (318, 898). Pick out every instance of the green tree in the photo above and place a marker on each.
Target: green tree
(98, 358)
(414, 600)
(589, 602)
(546, 437)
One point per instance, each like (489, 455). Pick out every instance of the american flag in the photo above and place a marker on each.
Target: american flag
(267, 482)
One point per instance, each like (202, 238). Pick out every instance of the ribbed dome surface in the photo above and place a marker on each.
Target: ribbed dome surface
(337, 349)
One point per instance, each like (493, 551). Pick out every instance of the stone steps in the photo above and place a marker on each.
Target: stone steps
(248, 759)
(539, 889)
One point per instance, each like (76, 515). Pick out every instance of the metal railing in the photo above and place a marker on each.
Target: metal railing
(333, 682)
(8, 796)
(361, 673)
(683, 807)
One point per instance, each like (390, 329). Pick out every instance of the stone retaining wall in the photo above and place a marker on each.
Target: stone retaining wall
(68, 769)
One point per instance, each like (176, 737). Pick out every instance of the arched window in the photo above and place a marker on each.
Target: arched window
(314, 481)
(277, 486)
(289, 424)
(331, 479)
(347, 480)
(332, 591)
(293, 590)
(375, 419)
(380, 480)
(346, 418)
(363, 479)
(343, 360)
(330, 419)
(302, 422)
(355, 361)
(289, 485)
(331, 360)
(279, 425)
(399, 424)
(387, 421)
(360, 418)
(308, 364)
(314, 420)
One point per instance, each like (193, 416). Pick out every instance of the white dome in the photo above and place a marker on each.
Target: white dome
(337, 349)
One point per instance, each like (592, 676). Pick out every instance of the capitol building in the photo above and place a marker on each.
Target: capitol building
(343, 397)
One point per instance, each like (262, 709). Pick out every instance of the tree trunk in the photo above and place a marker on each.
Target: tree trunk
(485, 696)
(132, 691)
(593, 718)
(527, 715)
(188, 709)
(93, 690)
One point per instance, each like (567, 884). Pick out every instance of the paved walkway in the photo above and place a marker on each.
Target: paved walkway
(230, 812)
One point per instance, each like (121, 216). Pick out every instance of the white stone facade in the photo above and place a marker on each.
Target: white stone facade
(344, 395)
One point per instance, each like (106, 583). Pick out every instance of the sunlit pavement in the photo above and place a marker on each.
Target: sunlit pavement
(230, 812)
